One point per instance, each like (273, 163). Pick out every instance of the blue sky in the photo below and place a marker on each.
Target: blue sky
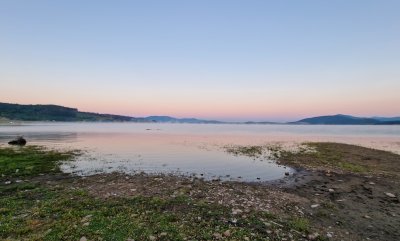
(228, 60)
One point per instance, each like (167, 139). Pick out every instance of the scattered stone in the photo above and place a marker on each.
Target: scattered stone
(390, 194)
(7, 182)
(236, 211)
(86, 218)
(83, 239)
(152, 238)
(371, 183)
(227, 233)
(287, 173)
(217, 236)
(163, 234)
(367, 217)
(331, 190)
(329, 234)
(314, 205)
(313, 236)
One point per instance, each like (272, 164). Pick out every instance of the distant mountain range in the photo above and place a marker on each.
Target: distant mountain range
(61, 113)
(348, 120)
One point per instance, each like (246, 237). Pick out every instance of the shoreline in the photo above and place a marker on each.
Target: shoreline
(319, 202)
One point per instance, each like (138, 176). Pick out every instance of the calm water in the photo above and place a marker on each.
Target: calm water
(188, 149)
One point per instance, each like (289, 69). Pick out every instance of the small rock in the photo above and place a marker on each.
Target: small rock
(227, 233)
(236, 211)
(83, 239)
(217, 236)
(371, 183)
(314, 205)
(163, 234)
(329, 234)
(313, 236)
(287, 173)
(7, 182)
(390, 194)
(246, 238)
(86, 218)
(367, 217)
(20, 141)
(331, 190)
(152, 238)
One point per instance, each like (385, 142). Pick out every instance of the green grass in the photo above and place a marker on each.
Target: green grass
(300, 224)
(251, 151)
(58, 214)
(31, 160)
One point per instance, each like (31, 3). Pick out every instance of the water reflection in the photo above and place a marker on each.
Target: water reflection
(187, 149)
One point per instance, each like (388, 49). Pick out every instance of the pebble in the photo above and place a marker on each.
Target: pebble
(236, 211)
(371, 183)
(227, 233)
(329, 234)
(331, 190)
(367, 217)
(217, 236)
(83, 239)
(390, 194)
(7, 182)
(313, 236)
(314, 205)
(152, 238)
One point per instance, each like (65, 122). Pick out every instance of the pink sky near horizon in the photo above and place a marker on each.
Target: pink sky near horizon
(254, 106)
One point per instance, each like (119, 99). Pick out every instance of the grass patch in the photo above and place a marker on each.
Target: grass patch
(251, 151)
(31, 160)
(58, 214)
(300, 224)
(344, 157)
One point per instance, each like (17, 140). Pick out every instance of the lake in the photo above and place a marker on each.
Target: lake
(188, 149)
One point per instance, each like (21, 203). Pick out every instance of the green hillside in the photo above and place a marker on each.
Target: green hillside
(55, 113)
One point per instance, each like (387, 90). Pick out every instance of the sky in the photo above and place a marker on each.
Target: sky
(225, 60)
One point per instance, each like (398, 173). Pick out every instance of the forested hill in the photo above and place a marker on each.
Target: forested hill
(55, 113)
